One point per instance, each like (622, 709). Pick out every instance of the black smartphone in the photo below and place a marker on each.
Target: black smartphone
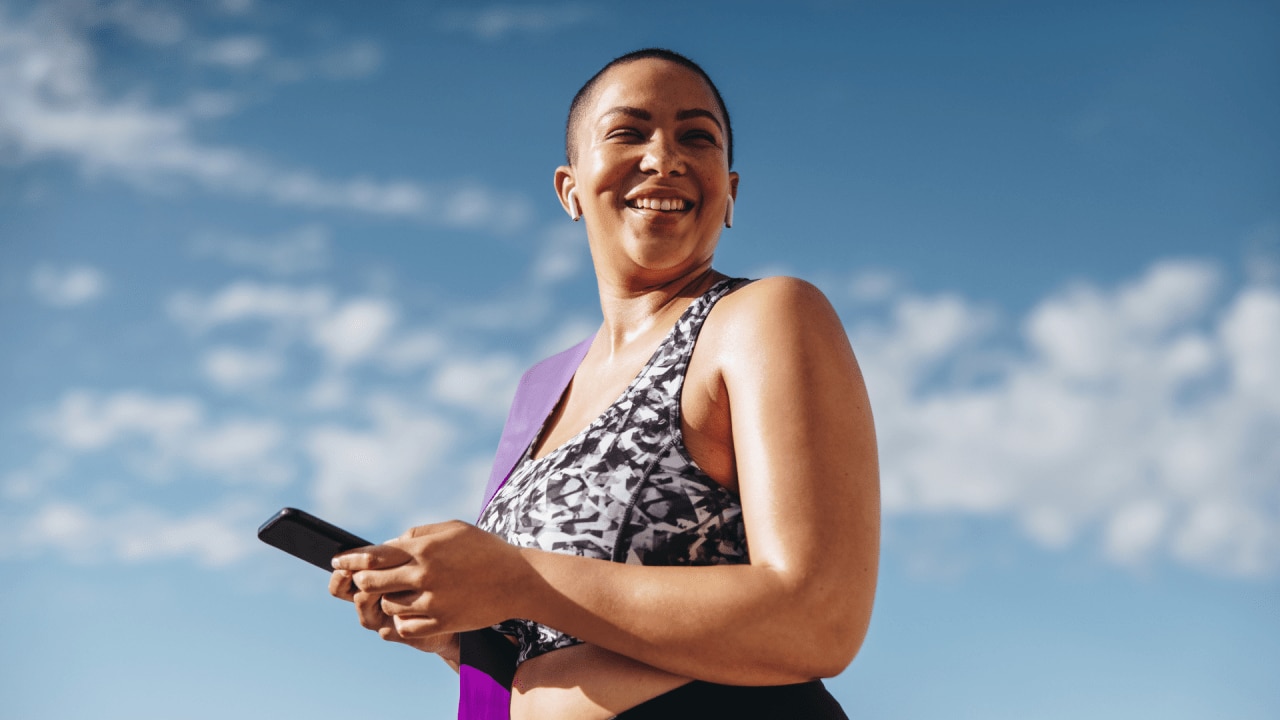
(306, 536)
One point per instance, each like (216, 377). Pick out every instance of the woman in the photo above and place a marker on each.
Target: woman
(707, 412)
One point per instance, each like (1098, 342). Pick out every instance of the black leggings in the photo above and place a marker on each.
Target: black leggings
(700, 700)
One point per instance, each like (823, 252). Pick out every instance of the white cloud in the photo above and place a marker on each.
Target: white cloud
(235, 7)
(160, 435)
(354, 60)
(301, 250)
(150, 22)
(498, 21)
(1250, 336)
(570, 332)
(85, 421)
(873, 286)
(1138, 415)
(53, 108)
(331, 392)
(362, 474)
(563, 254)
(28, 482)
(239, 52)
(482, 385)
(1262, 253)
(236, 369)
(217, 537)
(354, 330)
(413, 350)
(241, 450)
(69, 286)
(244, 301)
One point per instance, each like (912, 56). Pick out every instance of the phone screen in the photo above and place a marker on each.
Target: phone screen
(306, 536)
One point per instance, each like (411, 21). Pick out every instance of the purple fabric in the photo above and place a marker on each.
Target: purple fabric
(486, 695)
(536, 396)
(481, 697)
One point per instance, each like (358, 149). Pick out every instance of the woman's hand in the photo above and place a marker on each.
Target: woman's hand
(371, 615)
(433, 580)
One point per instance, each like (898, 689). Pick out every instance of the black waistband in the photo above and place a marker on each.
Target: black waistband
(701, 700)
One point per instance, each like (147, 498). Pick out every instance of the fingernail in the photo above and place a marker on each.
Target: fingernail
(336, 563)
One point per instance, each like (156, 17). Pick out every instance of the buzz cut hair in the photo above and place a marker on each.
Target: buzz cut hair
(579, 104)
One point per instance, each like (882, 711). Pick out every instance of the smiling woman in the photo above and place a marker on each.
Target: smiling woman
(692, 527)
(649, 166)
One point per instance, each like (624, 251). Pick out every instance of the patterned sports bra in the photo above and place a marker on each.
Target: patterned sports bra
(624, 489)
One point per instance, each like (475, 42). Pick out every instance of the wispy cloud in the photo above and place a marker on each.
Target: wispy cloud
(237, 369)
(1262, 253)
(67, 287)
(482, 385)
(239, 52)
(563, 255)
(54, 108)
(384, 468)
(498, 21)
(356, 59)
(162, 435)
(1144, 416)
(152, 22)
(354, 330)
(214, 537)
(345, 332)
(301, 250)
(250, 301)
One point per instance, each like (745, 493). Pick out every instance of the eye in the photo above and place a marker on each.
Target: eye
(702, 136)
(624, 133)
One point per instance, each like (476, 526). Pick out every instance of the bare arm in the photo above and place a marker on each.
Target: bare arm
(808, 480)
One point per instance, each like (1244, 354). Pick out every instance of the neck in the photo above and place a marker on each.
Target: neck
(631, 309)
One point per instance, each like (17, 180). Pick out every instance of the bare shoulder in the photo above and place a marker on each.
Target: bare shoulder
(780, 292)
(775, 313)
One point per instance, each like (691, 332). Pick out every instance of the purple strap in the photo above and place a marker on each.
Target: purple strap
(487, 660)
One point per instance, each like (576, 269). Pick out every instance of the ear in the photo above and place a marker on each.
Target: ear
(566, 191)
(733, 193)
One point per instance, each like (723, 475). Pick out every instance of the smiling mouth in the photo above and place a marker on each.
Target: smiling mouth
(660, 204)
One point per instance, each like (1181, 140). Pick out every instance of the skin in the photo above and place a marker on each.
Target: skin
(774, 408)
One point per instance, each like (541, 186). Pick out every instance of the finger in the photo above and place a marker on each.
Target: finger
(342, 586)
(369, 611)
(401, 578)
(371, 557)
(416, 626)
(407, 603)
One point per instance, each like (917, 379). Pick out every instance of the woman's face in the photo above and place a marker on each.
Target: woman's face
(651, 171)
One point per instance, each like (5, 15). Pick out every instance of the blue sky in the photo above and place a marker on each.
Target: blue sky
(259, 254)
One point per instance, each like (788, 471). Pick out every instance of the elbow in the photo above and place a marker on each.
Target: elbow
(833, 648)
(834, 634)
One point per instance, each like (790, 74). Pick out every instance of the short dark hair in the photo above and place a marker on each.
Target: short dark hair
(576, 108)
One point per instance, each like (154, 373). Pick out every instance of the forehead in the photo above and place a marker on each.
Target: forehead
(652, 84)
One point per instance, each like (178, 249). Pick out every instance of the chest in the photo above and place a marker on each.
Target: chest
(705, 429)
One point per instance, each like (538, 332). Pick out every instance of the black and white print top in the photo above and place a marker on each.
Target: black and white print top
(624, 489)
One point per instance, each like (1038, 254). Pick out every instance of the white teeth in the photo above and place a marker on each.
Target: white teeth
(659, 204)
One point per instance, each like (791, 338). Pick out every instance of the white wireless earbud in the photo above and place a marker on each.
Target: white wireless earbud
(728, 213)
(575, 211)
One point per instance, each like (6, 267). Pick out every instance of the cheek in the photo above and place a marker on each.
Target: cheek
(606, 167)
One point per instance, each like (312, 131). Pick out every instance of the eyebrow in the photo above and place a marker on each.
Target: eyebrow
(639, 114)
(699, 112)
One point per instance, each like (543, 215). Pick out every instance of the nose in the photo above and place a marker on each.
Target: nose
(663, 156)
